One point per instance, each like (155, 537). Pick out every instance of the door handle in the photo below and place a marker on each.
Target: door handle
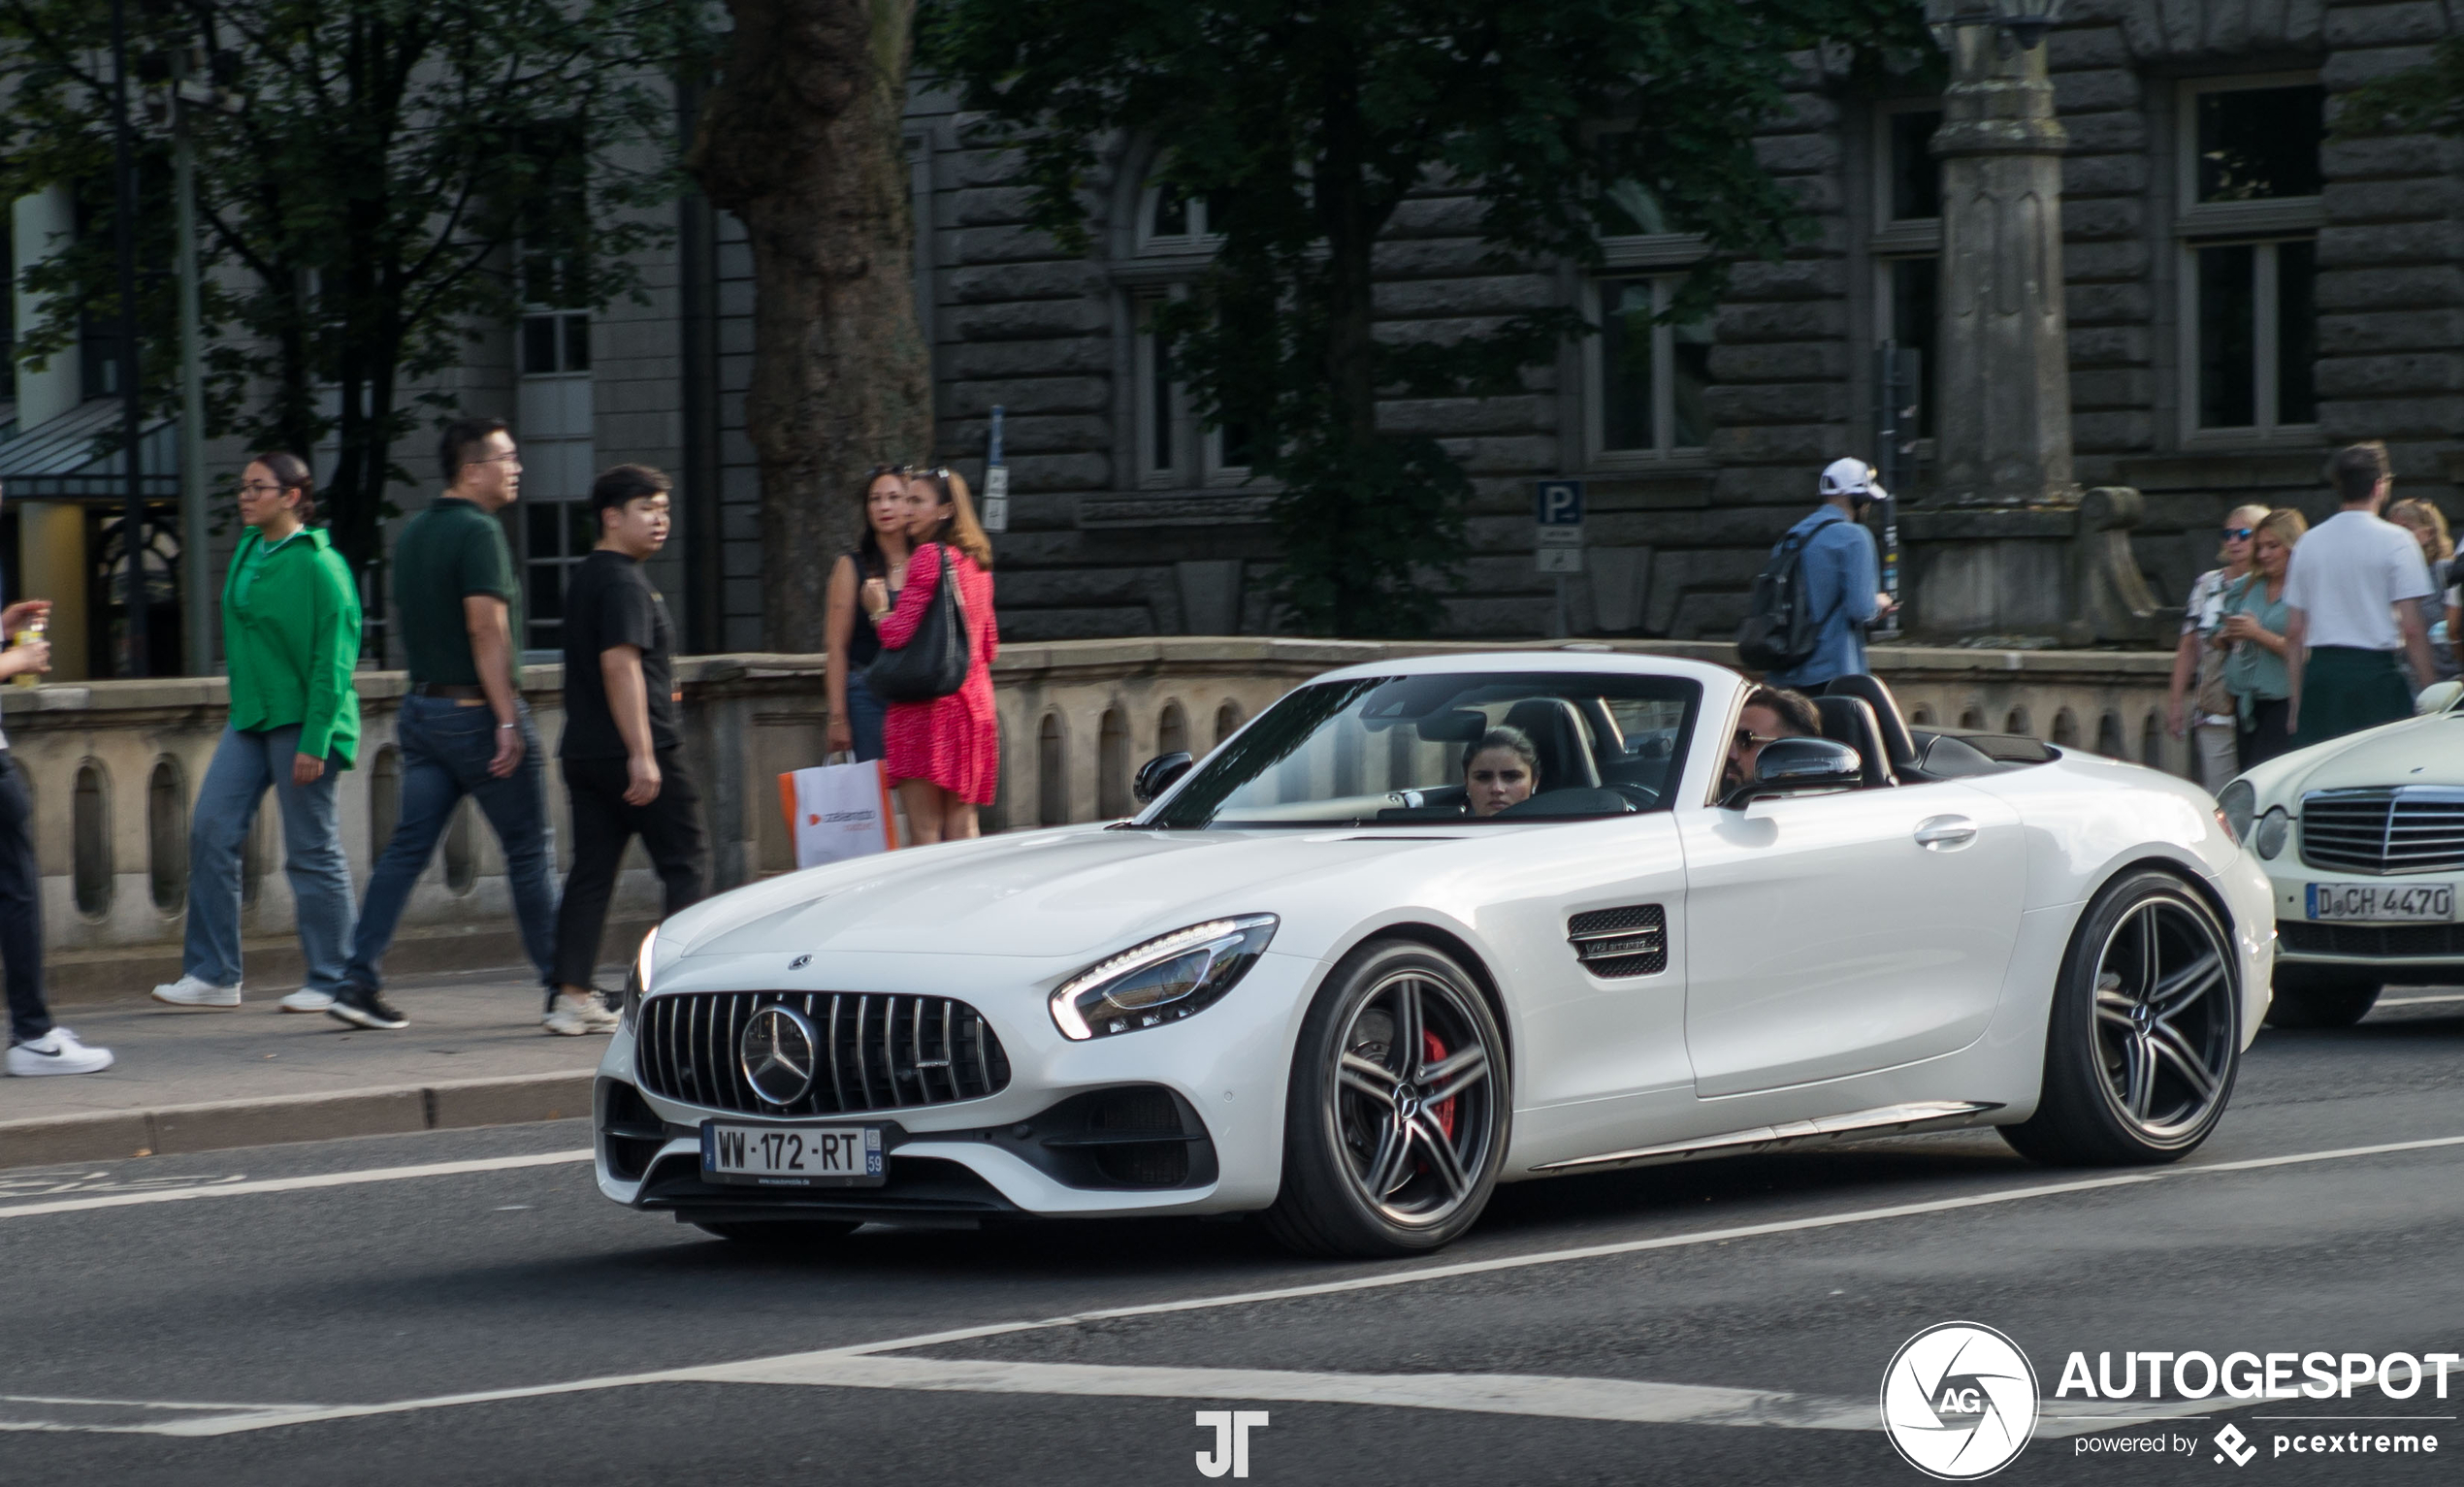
(1945, 833)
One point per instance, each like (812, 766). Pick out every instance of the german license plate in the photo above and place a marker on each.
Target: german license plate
(2382, 901)
(792, 1155)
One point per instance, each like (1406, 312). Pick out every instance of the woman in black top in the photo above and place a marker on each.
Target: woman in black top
(854, 713)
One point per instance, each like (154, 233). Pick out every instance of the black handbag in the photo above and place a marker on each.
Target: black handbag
(933, 662)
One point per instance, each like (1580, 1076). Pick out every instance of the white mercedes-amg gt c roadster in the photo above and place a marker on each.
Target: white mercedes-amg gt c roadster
(1426, 926)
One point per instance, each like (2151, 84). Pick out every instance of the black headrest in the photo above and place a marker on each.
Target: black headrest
(1850, 721)
(1897, 744)
(1556, 730)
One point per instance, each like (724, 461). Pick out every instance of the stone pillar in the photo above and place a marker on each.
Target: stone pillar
(2004, 413)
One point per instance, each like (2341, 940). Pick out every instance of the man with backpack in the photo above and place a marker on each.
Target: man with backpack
(1820, 590)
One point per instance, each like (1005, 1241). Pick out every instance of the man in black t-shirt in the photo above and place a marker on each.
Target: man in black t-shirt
(624, 770)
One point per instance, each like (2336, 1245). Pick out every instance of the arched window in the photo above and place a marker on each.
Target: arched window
(1173, 451)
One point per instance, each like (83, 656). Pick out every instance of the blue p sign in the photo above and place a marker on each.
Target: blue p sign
(1558, 503)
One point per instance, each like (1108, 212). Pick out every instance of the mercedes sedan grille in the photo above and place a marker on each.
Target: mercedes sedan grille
(2406, 828)
(872, 1050)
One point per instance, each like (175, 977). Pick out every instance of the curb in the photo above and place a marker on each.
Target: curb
(220, 1125)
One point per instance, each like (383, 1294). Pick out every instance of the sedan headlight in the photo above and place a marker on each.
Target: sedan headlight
(637, 980)
(1164, 980)
(2238, 803)
(2269, 839)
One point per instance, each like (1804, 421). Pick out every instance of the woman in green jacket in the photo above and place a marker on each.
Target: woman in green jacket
(290, 641)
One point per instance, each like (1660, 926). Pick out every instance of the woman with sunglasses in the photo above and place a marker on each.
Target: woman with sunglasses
(2198, 665)
(290, 641)
(847, 631)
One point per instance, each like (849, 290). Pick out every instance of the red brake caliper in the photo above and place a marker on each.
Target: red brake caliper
(1437, 1055)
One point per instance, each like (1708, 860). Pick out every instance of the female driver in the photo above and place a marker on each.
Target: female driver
(1500, 770)
(854, 713)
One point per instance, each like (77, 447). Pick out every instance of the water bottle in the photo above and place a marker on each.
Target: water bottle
(33, 632)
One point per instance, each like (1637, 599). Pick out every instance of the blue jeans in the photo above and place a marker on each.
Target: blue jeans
(446, 749)
(244, 763)
(865, 713)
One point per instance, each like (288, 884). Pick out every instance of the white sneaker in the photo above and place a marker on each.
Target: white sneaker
(304, 1000)
(57, 1053)
(574, 1016)
(190, 991)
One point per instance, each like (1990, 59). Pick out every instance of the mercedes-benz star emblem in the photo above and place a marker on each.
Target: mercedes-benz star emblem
(800, 962)
(777, 1055)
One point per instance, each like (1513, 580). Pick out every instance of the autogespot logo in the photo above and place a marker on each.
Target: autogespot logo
(1958, 1400)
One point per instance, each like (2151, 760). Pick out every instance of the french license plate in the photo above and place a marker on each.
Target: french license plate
(2381, 901)
(792, 1155)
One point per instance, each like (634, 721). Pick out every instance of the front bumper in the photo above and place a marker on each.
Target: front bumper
(1019, 1151)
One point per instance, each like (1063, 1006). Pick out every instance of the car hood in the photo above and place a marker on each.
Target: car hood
(1058, 893)
(2421, 750)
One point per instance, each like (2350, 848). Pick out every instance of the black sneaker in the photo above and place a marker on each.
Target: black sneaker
(361, 1007)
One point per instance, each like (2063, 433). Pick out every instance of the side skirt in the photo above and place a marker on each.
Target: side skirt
(1882, 1121)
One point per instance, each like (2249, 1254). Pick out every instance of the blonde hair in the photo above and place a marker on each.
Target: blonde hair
(2285, 524)
(2421, 516)
(2233, 518)
(960, 529)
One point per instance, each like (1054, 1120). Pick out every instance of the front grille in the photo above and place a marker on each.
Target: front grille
(2376, 940)
(877, 1050)
(1633, 941)
(2408, 829)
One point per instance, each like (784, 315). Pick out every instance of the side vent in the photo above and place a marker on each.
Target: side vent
(1631, 940)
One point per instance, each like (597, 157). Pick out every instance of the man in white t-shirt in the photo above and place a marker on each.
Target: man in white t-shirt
(2353, 589)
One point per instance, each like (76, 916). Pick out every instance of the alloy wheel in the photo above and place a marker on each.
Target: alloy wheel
(2165, 1025)
(1414, 1105)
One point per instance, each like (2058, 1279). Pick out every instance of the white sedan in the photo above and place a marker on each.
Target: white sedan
(2364, 838)
(1323, 979)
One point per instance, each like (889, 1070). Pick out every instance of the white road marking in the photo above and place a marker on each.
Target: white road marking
(842, 1366)
(292, 1184)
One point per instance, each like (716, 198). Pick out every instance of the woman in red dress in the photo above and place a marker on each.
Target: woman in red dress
(945, 755)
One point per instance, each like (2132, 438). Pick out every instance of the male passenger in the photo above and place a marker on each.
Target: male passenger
(1769, 715)
(2351, 589)
(464, 728)
(1842, 577)
(624, 765)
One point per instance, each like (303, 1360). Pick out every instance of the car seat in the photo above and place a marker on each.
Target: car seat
(1555, 727)
(1851, 721)
(1898, 744)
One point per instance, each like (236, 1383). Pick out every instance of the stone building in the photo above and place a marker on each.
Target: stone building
(2242, 295)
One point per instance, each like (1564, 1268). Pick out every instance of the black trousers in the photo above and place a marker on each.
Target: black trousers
(21, 908)
(669, 828)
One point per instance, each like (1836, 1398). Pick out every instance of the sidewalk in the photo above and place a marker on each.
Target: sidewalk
(474, 1054)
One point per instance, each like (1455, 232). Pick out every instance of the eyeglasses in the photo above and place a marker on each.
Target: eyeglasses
(1747, 738)
(2238, 533)
(261, 488)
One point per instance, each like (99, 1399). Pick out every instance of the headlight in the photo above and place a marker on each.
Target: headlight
(1162, 981)
(638, 980)
(2269, 838)
(2236, 806)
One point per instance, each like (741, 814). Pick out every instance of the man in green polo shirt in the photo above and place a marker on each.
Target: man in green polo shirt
(464, 729)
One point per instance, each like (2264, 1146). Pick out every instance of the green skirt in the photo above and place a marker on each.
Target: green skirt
(2345, 689)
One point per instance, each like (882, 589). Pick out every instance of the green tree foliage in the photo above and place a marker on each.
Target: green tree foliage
(361, 207)
(1304, 128)
(2426, 99)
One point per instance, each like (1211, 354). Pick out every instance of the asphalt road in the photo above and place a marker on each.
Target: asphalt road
(291, 1331)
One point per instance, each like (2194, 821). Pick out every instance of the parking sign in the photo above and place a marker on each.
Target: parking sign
(1557, 526)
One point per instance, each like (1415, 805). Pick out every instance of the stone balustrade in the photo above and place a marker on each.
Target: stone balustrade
(113, 767)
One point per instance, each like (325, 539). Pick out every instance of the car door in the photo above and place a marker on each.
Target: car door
(1833, 934)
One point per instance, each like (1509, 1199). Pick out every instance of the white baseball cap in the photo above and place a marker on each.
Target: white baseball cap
(1850, 477)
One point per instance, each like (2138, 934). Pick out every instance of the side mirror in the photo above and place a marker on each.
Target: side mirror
(1155, 775)
(2438, 697)
(1789, 766)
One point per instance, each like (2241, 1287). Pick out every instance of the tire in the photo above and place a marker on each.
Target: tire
(1372, 1165)
(2320, 997)
(2144, 1038)
(784, 1235)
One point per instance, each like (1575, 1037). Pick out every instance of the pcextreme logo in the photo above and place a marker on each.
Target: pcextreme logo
(1958, 1400)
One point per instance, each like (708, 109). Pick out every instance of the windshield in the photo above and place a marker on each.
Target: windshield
(1464, 747)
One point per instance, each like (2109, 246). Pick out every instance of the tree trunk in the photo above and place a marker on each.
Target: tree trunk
(800, 140)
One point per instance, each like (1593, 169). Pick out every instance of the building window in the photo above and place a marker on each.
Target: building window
(1906, 246)
(552, 422)
(2248, 223)
(1172, 449)
(555, 343)
(1169, 222)
(1649, 377)
(556, 534)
